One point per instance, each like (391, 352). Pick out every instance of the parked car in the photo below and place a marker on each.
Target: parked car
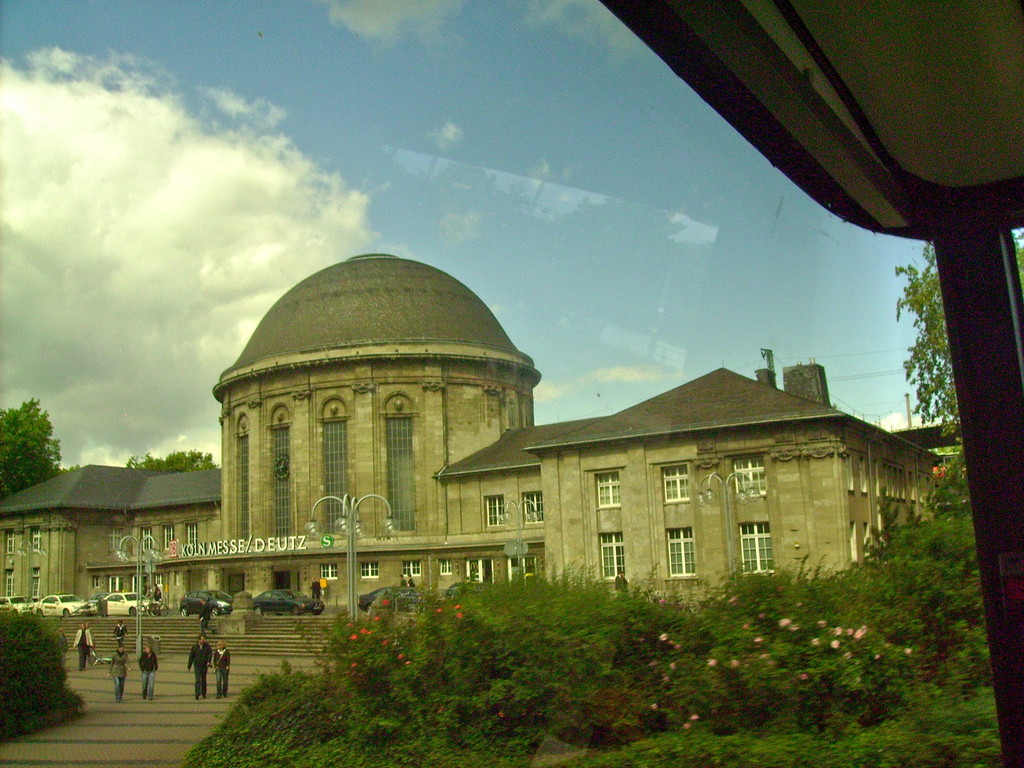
(286, 601)
(58, 605)
(391, 598)
(123, 603)
(192, 602)
(16, 603)
(464, 587)
(92, 605)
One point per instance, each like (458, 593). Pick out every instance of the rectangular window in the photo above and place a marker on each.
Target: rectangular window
(853, 543)
(9, 542)
(192, 533)
(863, 475)
(495, 509)
(613, 554)
(369, 570)
(114, 539)
(335, 469)
(525, 567)
(681, 559)
(282, 481)
(242, 486)
(146, 537)
(677, 483)
(444, 567)
(480, 569)
(411, 568)
(851, 484)
(608, 491)
(756, 547)
(37, 540)
(168, 535)
(35, 583)
(96, 582)
(9, 582)
(751, 475)
(401, 488)
(533, 507)
(329, 570)
(114, 583)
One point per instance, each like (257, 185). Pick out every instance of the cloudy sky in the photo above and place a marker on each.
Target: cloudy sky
(170, 169)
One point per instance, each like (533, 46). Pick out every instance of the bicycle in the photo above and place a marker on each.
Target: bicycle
(157, 608)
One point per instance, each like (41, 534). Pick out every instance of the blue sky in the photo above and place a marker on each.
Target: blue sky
(170, 169)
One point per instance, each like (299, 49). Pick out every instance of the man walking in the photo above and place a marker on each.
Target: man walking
(199, 662)
(221, 668)
(204, 616)
(83, 642)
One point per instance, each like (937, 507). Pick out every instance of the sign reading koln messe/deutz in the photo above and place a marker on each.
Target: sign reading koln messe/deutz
(251, 545)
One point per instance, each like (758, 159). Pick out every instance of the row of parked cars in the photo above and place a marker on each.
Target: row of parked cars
(129, 603)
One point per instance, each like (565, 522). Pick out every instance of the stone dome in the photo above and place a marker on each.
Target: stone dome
(374, 299)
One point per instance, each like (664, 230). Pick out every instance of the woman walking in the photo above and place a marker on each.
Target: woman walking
(119, 671)
(83, 642)
(148, 666)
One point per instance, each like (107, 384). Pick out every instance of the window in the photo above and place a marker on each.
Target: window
(192, 533)
(282, 484)
(848, 470)
(37, 540)
(9, 542)
(335, 468)
(96, 582)
(114, 539)
(242, 486)
(480, 569)
(401, 487)
(608, 493)
(863, 475)
(369, 570)
(411, 568)
(35, 583)
(853, 543)
(613, 554)
(145, 534)
(114, 583)
(533, 507)
(751, 475)
(168, 535)
(681, 559)
(329, 570)
(444, 567)
(495, 509)
(9, 581)
(676, 481)
(527, 567)
(756, 547)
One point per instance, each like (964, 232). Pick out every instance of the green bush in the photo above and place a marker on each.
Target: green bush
(33, 682)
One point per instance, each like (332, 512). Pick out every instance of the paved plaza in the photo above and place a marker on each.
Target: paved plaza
(135, 732)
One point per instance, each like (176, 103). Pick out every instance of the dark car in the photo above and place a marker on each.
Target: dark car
(286, 601)
(391, 598)
(192, 602)
(455, 591)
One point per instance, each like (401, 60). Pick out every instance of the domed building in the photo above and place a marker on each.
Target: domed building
(368, 377)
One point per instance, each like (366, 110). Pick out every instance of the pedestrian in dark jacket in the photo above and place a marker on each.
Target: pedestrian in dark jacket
(221, 668)
(199, 662)
(120, 630)
(119, 671)
(204, 616)
(148, 666)
(83, 642)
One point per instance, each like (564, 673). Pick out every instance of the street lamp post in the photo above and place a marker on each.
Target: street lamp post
(348, 522)
(742, 488)
(527, 509)
(145, 548)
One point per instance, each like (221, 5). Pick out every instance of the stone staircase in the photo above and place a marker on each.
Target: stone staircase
(283, 636)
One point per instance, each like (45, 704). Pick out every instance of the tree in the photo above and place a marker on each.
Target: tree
(929, 366)
(29, 453)
(176, 461)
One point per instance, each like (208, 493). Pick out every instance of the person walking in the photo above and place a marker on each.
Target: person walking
(120, 631)
(621, 585)
(221, 668)
(199, 662)
(314, 589)
(148, 666)
(204, 616)
(83, 642)
(119, 671)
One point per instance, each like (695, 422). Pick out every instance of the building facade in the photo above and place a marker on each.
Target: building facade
(385, 379)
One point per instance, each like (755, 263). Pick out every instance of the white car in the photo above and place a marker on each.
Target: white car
(123, 603)
(18, 603)
(58, 605)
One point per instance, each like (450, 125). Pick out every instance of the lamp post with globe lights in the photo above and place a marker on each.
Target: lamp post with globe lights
(145, 551)
(735, 485)
(528, 513)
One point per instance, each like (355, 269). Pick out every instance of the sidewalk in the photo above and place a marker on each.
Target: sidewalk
(135, 732)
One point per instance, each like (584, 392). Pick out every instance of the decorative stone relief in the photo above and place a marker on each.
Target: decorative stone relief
(255, 403)
(708, 463)
(495, 391)
(433, 386)
(787, 454)
(706, 446)
(363, 388)
(820, 453)
(302, 394)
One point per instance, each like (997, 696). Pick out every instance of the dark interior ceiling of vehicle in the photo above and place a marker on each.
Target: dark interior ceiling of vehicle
(899, 116)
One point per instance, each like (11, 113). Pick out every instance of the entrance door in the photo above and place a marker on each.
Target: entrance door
(282, 579)
(480, 569)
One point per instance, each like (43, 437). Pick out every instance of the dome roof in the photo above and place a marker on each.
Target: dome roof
(372, 299)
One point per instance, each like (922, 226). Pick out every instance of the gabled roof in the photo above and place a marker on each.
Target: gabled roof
(508, 451)
(717, 399)
(117, 488)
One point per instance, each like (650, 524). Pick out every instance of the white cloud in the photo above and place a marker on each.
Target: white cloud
(258, 112)
(459, 227)
(447, 136)
(388, 22)
(140, 248)
(628, 373)
(585, 20)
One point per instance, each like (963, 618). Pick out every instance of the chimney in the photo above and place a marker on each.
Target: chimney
(807, 381)
(766, 376)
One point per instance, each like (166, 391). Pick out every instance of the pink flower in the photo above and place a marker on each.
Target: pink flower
(734, 663)
(785, 622)
(712, 662)
(663, 636)
(849, 631)
(758, 640)
(822, 623)
(815, 642)
(908, 651)
(458, 615)
(672, 665)
(439, 610)
(847, 655)
(835, 643)
(353, 665)
(804, 676)
(837, 631)
(654, 706)
(860, 633)
(695, 717)
(764, 656)
(793, 627)
(686, 725)
(353, 637)
(664, 678)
